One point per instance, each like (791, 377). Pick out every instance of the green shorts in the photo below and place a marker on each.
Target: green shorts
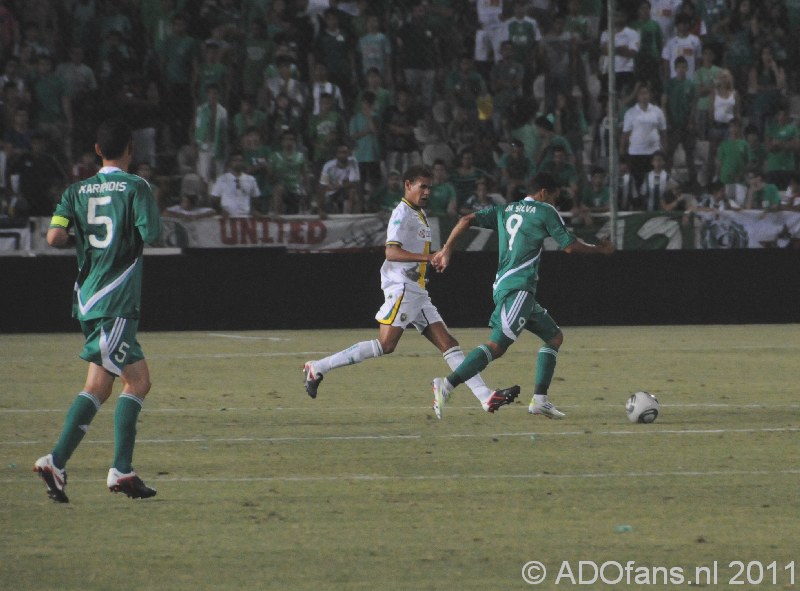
(519, 310)
(111, 343)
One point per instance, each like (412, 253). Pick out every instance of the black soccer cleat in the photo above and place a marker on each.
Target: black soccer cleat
(501, 398)
(129, 484)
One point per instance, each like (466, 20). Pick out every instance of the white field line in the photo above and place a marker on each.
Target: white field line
(318, 409)
(239, 337)
(446, 477)
(419, 436)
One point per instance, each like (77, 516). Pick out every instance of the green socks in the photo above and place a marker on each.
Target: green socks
(125, 417)
(76, 424)
(545, 366)
(474, 363)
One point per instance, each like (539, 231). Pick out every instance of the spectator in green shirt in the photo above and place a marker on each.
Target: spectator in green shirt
(594, 197)
(249, 116)
(678, 103)
(762, 195)
(567, 178)
(734, 159)
(756, 145)
(704, 78)
(179, 54)
(325, 129)
(442, 199)
(288, 174)
(516, 170)
(365, 131)
(387, 197)
(464, 85)
(782, 138)
(51, 103)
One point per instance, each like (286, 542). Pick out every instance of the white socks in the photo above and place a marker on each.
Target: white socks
(454, 356)
(353, 354)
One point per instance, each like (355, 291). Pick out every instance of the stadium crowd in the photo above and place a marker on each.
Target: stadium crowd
(273, 107)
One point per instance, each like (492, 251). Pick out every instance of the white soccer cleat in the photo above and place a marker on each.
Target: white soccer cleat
(129, 484)
(440, 396)
(546, 409)
(55, 479)
(311, 379)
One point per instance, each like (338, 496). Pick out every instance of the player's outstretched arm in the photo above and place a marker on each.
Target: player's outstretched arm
(442, 258)
(605, 246)
(58, 238)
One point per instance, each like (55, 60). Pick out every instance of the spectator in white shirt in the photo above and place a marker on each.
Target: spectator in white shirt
(339, 183)
(644, 130)
(685, 45)
(626, 46)
(664, 13)
(235, 191)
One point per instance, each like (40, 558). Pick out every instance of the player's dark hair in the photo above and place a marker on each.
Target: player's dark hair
(113, 137)
(544, 180)
(681, 60)
(715, 186)
(414, 173)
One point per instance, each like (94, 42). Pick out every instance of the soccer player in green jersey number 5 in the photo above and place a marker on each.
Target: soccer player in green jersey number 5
(113, 214)
(521, 228)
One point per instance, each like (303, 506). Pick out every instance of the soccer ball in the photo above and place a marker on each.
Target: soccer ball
(642, 407)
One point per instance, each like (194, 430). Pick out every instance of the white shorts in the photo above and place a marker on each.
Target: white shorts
(402, 307)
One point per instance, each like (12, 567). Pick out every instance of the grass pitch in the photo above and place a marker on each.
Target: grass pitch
(260, 487)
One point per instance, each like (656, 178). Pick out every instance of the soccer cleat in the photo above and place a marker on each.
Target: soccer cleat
(501, 398)
(546, 409)
(129, 483)
(55, 479)
(311, 379)
(440, 396)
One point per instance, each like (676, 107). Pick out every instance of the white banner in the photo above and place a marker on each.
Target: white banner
(748, 229)
(337, 233)
(707, 230)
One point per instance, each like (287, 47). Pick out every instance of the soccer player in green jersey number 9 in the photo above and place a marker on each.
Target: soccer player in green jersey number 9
(521, 228)
(112, 214)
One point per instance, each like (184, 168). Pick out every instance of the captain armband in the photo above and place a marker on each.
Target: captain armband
(58, 221)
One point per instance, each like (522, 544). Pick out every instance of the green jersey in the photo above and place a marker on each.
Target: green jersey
(288, 169)
(522, 227)
(113, 214)
(784, 158)
(680, 101)
(734, 158)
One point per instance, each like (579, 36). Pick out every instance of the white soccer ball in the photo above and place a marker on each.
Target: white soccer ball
(642, 407)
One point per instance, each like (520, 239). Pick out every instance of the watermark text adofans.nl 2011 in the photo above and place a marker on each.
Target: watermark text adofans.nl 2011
(611, 572)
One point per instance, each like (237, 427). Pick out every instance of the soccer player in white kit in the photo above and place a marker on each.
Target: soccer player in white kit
(408, 245)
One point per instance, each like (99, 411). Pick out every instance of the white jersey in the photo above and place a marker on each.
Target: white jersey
(408, 229)
(689, 47)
